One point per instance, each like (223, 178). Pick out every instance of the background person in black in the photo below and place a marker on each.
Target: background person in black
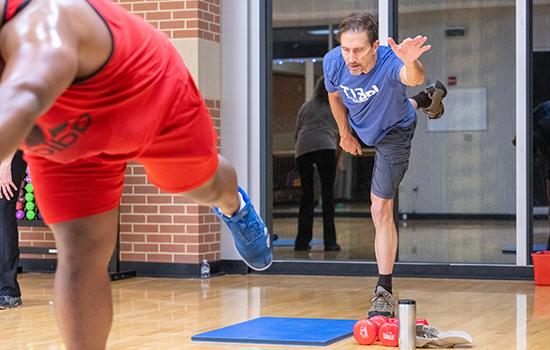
(12, 170)
(316, 139)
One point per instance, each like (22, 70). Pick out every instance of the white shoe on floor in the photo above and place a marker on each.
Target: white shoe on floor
(431, 336)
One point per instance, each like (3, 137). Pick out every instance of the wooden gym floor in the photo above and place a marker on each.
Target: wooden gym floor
(160, 313)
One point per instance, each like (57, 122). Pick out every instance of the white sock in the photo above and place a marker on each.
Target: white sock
(242, 205)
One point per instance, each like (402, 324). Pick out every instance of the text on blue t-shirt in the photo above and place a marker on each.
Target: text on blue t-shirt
(376, 101)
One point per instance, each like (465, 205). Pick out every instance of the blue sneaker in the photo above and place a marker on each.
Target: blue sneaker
(250, 235)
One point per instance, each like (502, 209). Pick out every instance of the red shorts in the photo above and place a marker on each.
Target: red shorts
(181, 156)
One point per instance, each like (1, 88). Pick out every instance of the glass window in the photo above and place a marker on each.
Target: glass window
(303, 32)
(541, 125)
(457, 201)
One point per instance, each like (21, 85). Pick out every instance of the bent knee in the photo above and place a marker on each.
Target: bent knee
(382, 209)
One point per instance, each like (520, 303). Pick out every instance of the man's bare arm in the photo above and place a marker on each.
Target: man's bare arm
(7, 161)
(347, 141)
(40, 63)
(412, 73)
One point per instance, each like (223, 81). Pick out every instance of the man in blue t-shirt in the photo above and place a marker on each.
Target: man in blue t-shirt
(367, 92)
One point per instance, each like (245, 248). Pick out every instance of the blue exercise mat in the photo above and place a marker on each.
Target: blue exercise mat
(282, 330)
(290, 242)
(511, 248)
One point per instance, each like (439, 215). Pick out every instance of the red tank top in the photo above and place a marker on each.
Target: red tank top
(119, 108)
(12, 7)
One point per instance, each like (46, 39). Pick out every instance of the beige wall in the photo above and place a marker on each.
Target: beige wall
(202, 58)
(541, 27)
(466, 172)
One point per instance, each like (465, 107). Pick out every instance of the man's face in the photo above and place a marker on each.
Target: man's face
(357, 51)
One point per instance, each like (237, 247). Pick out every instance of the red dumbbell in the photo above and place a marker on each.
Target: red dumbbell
(379, 320)
(422, 321)
(365, 332)
(418, 321)
(389, 334)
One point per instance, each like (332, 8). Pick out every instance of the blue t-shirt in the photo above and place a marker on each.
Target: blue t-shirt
(376, 101)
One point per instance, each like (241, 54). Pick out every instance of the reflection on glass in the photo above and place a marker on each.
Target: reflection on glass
(541, 126)
(457, 200)
(458, 197)
(303, 31)
(316, 141)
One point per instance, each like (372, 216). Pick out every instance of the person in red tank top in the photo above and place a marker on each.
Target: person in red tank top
(87, 87)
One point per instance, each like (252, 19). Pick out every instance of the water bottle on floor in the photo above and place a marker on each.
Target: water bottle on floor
(407, 324)
(205, 269)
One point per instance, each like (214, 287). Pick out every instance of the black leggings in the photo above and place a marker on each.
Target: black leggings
(9, 236)
(326, 165)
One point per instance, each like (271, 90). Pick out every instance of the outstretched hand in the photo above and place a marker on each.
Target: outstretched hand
(410, 49)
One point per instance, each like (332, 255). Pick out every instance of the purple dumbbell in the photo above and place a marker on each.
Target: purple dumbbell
(20, 214)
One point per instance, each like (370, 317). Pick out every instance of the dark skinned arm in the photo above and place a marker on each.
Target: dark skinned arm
(40, 63)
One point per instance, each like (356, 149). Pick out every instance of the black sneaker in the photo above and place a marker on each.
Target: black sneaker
(333, 248)
(436, 92)
(302, 249)
(9, 302)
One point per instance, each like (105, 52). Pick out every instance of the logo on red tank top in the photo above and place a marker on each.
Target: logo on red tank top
(60, 137)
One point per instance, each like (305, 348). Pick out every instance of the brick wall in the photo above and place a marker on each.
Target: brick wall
(155, 226)
(36, 237)
(180, 19)
(214, 109)
(288, 97)
(163, 227)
